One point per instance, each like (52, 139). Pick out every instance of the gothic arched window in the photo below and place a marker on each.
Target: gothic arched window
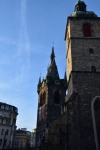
(87, 30)
(56, 97)
(44, 97)
(41, 97)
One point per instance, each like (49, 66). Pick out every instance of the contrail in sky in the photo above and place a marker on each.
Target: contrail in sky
(23, 24)
(23, 52)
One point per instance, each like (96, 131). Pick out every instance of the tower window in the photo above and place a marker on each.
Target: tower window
(56, 97)
(91, 50)
(87, 30)
(42, 99)
(93, 68)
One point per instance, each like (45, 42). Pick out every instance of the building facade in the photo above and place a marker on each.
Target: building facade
(33, 138)
(77, 127)
(21, 140)
(83, 63)
(8, 116)
(51, 94)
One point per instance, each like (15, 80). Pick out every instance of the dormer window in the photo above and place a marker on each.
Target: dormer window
(87, 30)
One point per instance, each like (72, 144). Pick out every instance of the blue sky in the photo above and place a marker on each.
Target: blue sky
(27, 31)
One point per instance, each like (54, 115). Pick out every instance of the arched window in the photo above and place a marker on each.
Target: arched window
(44, 97)
(87, 30)
(41, 97)
(56, 97)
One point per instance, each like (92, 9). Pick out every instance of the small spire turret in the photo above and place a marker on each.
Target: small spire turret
(39, 80)
(52, 54)
(39, 84)
(65, 77)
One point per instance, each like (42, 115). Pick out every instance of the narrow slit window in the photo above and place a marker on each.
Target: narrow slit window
(91, 50)
(93, 68)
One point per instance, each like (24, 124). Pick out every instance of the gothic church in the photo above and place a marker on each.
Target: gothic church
(72, 122)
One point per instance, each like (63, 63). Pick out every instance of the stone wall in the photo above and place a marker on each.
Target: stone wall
(79, 113)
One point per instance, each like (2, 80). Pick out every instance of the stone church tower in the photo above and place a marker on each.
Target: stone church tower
(51, 94)
(83, 63)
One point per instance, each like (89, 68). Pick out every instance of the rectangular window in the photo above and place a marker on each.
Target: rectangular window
(87, 30)
(4, 121)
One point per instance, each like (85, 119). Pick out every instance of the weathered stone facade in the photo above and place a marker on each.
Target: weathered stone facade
(83, 61)
(78, 125)
(51, 92)
(57, 133)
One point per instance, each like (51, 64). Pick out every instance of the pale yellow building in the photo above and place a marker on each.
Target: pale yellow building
(21, 139)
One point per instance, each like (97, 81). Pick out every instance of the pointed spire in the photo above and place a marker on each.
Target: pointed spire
(65, 77)
(39, 80)
(52, 70)
(48, 71)
(65, 80)
(39, 84)
(52, 54)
